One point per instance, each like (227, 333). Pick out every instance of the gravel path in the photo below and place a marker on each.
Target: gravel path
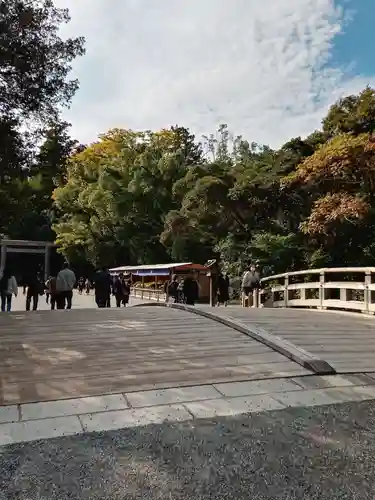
(300, 453)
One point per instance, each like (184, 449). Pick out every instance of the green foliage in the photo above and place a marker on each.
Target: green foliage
(34, 60)
(34, 67)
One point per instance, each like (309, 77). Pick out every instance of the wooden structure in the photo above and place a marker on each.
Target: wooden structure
(345, 341)
(156, 275)
(48, 356)
(213, 272)
(26, 246)
(348, 288)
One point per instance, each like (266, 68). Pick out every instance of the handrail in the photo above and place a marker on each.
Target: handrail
(322, 292)
(147, 293)
(321, 270)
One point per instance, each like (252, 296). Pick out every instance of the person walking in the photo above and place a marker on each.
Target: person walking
(250, 282)
(88, 286)
(172, 289)
(102, 284)
(222, 290)
(46, 287)
(118, 289)
(8, 287)
(33, 287)
(81, 285)
(51, 290)
(127, 290)
(190, 290)
(65, 281)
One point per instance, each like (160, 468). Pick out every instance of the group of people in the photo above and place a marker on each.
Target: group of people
(185, 291)
(84, 284)
(105, 285)
(59, 289)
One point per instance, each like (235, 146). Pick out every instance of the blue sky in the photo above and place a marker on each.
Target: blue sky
(356, 45)
(269, 69)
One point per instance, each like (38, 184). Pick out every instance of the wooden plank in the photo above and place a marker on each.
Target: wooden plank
(346, 342)
(62, 354)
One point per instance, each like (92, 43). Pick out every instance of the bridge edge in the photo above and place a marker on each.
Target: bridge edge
(305, 359)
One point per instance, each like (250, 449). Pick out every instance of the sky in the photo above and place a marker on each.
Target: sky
(269, 69)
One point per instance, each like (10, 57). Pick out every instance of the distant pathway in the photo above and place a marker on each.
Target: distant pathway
(79, 302)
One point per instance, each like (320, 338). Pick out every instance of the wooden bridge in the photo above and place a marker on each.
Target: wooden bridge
(64, 354)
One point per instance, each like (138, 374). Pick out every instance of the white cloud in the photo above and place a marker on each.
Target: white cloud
(261, 66)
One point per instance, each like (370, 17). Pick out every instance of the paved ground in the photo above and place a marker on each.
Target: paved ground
(42, 420)
(227, 436)
(345, 341)
(319, 453)
(79, 302)
(66, 354)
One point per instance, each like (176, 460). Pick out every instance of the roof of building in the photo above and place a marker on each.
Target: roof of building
(153, 269)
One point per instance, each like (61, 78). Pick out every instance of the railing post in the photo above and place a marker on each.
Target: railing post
(321, 290)
(344, 294)
(367, 293)
(255, 297)
(286, 290)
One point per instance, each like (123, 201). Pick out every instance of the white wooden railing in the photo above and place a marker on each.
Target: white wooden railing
(350, 288)
(148, 294)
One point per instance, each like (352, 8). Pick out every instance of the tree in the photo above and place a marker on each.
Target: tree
(34, 60)
(338, 183)
(118, 192)
(352, 114)
(145, 197)
(34, 84)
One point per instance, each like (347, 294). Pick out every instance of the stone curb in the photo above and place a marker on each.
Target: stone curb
(284, 347)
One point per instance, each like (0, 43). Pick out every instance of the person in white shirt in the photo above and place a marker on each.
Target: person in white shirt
(8, 287)
(250, 282)
(65, 281)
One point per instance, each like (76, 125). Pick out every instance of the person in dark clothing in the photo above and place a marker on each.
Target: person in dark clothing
(33, 287)
(172, 289)
(190, 290)
(222, 288)
(51, 289)
(81, 285)
(103, 283)
(121, 290)
(127, 289)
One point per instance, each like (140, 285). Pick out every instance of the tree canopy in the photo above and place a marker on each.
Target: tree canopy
(34, 60)
(139, 198)
(34, 86)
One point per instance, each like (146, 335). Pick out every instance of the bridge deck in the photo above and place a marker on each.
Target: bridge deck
(64, 354)
(346, 342)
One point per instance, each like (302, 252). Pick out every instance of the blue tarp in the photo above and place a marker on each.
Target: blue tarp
(152, 272)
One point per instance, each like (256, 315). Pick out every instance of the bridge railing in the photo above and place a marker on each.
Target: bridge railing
(350, 288)
(148, 294)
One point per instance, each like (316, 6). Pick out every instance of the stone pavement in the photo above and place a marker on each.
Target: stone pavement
(313, 453)
(33, 421)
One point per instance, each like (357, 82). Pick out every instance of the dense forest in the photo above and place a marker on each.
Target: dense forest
(156, 196)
